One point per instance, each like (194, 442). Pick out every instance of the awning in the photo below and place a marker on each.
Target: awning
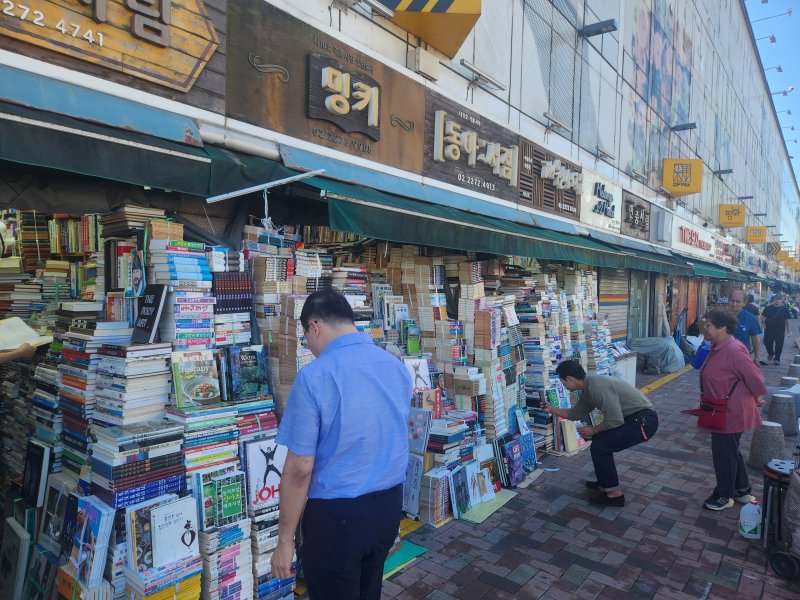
(656, 263)
(623, 242)
(375, 214)
(302, 160)
(704, 269)
(45, 139)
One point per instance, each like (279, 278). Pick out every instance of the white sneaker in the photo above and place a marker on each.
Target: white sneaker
(745, 499)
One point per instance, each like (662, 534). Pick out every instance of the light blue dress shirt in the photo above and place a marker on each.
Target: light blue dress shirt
(349, 409)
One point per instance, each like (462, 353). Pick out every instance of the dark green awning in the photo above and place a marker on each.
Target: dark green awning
(704, 269)
(375, 214)
(655, 263)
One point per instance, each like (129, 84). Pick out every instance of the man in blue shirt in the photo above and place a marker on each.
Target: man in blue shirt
(346, 431)
(748, 329)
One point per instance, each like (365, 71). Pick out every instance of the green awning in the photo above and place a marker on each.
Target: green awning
(655, 263)
(704, 269)
(375, 214)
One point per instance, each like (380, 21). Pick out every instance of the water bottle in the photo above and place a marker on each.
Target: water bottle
(750, 521)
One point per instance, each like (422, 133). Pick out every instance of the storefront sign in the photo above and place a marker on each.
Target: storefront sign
(722, 251)
(731, 215)
(601, 202)
(548, 183)
(162, 41)
(289, 77)
(682, 176)
(468, 150)
(661, 231)
(756, 235)
(687, 238)
(635, 216)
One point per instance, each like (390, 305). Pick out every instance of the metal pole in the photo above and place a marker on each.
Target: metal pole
(264, 186)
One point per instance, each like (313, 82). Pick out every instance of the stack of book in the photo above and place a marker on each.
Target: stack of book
(129, 217)
(74, 235)
(20, 297)
(225, 260)
(163, 548)
(137, 463)
(32, 239)
(350, 280)
(133, 383)
(88, 281)
(599, 347)
(234, 294)
(55, 280)
(263, 461)
(47, 413)
(272, 278)
(188, 317)
(434, 497)
(14, 418)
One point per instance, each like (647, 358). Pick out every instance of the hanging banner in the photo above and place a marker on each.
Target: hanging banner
(682, 176)
(756, 234)
(731, 215)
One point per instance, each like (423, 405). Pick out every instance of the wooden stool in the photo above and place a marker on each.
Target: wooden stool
(767, 444)
(776, 483)
(782, 410)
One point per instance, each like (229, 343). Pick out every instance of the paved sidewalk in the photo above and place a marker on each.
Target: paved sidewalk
(549, 542)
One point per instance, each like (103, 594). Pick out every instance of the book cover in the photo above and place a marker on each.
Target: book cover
(134, 278)
(41, 576)
(419, 423)
(150, 309)
(473, 472)
(264, 460)
(34, 479)
(13, 559)
(485, 486)
(411, 486)
(528, 450)
(513, 456)
(195, 379)
(138, 532)
(459, 491)
(248, 374)
(204, 490)
(93, 525)
(231, 498)
(59, 486)
(174, 530)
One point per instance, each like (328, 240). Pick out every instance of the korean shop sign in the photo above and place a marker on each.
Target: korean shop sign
(731, 215)
(601, 202)
(756, 235)
(547, 182)
(688, 239)
(467, 150)
(287, 76)
(723, 251)
(635, 216)
(682, 176)
(165, 42)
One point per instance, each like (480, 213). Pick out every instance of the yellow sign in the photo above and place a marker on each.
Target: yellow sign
(756, 235)
(731, 215)
(682, 176)
(162, 41)
(444, 24)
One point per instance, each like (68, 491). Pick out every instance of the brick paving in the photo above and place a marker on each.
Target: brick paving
(550, 543)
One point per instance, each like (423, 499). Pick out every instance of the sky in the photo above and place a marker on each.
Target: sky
(786, 53)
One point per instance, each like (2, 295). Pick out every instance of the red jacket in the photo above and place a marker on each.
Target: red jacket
(727, 363)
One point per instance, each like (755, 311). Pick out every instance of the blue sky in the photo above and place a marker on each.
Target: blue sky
(786, 53)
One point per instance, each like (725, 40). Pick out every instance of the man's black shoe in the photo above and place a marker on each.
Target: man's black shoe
(605, 500)
(763, 363)
(593, 485)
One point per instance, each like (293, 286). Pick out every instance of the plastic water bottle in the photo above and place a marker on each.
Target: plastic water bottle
(750, 521)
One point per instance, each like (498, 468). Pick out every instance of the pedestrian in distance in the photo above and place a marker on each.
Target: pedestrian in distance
(345, 426)
(729, 374)
(751, 305)
(628, 420)
(776, 327)
(748, 330)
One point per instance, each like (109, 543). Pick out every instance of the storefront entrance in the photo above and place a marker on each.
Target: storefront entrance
(639, 308)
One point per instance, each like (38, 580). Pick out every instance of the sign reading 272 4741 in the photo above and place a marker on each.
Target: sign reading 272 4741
(136, 37)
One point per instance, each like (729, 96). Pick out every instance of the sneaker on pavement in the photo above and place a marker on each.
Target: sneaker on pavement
(718, 503)
(777, 362)
(763, 363)
(744, 498)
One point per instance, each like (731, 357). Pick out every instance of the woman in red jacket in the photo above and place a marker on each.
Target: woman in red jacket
(730, 372)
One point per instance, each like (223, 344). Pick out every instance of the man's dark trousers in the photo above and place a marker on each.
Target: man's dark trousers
(346, 541)
(634, 430)
(774, 336)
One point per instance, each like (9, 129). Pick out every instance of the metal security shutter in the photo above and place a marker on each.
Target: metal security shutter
(614, 296)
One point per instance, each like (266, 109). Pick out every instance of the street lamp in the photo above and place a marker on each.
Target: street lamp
(789, 127)
(777, 68)
(785, 92)
(788, 13)
(772, 39)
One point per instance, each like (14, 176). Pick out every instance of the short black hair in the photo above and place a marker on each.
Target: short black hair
(750, 298)
(328, 305)
(570, 368)
(720, 318)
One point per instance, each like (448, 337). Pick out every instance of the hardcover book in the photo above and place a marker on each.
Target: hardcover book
(204, 490)
(174, 530)
(34, 480)
(59, 487)
(419, 423)
(150, 308)
(195, 379)
(138, 529)
(248, 374)
(13, 560)
(231, 496)
(459, 491)
(93, 526)
(264, 460)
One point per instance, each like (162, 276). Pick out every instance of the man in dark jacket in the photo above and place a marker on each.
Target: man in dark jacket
(776, 326)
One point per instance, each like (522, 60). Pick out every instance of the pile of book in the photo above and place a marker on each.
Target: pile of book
(134, 383)
(32, 239)
(47, 413)
(234, 294)
(129, 218)
(272, 278)
(188, 316)
(163, 548)
(434, 498)
(20, 296)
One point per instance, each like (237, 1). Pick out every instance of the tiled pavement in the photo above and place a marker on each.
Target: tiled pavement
(549, 542)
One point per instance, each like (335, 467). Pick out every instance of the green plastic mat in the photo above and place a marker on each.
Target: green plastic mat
(484, 510)
(406, 554)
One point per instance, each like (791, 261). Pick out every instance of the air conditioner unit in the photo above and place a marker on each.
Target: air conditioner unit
(423, 62)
